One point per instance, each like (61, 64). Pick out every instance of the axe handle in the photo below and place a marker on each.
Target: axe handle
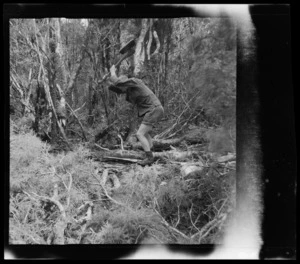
(125, 56)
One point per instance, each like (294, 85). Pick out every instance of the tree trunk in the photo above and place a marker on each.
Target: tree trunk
(125, 36)
(40, 105)
(90, 104)
(57, 78)
(139, 55)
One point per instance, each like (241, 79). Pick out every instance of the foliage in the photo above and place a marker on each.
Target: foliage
(190, 204)
(34, 173)
(148, 203)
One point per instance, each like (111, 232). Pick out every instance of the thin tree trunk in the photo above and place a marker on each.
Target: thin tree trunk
(149, 41)
(139, 55)
(90, 105)
(57, 80)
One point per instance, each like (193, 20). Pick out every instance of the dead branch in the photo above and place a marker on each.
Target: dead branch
(82, 129)
(79, 107)
(105, 191)
(59, 226)
(203, 229)
(177, 122)
(98, 146)
(104, 177)
(167, 224)
(56, 202)
(134, 156)
(136, 240)
(69, 188)
(122, 144)
(214, 225)
(178, 216)
(193, 223)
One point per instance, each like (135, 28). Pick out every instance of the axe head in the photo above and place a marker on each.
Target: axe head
(128, 46)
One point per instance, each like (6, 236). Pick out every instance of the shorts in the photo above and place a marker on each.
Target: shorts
(153, 116)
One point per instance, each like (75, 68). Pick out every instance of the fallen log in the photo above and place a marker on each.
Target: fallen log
(126, 154)
(158, 144)
(191, 137)
(135, 156)
(122, 160)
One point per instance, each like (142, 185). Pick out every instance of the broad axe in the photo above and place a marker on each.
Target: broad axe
(127, 50)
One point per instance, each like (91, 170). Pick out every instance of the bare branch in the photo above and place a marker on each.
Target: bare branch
(167, 224)
(101, 147)
(122, 145)
(79, 107)
(178, 213)
(56, 202)
(105, 191)
(82, 129)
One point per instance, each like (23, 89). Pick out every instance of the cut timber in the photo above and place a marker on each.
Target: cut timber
(125, 160)
(134, 156)
(191, 169)
(124, 154)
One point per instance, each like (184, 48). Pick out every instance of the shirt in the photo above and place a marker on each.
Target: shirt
(137, 93)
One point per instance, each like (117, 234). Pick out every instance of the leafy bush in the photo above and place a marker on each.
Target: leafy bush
(25, 153)
(34, 173)
(192, 203)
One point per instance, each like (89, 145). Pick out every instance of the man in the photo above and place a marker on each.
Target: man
(148, 106)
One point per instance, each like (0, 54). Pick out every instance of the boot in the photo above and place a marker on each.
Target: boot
(148, 160)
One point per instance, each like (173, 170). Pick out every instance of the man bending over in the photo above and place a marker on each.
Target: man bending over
(148, 106)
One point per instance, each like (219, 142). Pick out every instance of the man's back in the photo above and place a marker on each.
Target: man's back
(136, 93)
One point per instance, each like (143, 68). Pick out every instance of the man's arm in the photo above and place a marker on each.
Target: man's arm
(119, 84)
(113, 76)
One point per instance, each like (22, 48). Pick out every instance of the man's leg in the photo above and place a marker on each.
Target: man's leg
(149, 121)
(149, 138)
(142, 136)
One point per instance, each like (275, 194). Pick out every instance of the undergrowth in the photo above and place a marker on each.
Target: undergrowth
(68, 198)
